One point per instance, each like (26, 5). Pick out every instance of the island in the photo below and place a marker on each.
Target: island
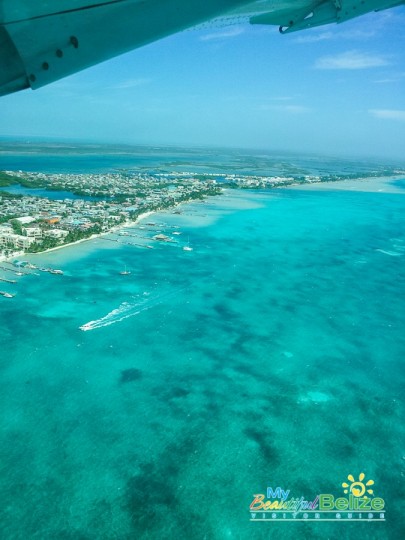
(41, 211)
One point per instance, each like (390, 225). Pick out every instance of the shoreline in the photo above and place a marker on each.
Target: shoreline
(92, 237)
(371, 184)
(380, 184)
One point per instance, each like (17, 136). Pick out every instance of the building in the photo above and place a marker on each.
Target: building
(33, 232)
(25, 220)
(15, 241)
(57, 233)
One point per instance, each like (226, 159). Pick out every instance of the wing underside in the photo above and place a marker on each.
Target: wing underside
(42, 41)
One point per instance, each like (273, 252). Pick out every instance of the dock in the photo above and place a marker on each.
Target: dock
(8, 280)
(130, 243)
(51, 270)
(17, 272)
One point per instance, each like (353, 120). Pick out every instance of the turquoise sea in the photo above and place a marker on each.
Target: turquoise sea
(270, 355)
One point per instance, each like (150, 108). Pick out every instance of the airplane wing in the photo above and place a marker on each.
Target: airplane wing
(42, 41)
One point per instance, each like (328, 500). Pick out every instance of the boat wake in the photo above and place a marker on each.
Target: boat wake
(390, 253)
(129, 309)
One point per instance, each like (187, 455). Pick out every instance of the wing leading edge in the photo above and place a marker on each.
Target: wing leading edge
(43, 41)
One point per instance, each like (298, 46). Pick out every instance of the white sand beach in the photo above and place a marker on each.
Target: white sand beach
(371, 185)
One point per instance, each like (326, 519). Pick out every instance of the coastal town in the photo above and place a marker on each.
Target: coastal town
(89, 205)
(41, 211)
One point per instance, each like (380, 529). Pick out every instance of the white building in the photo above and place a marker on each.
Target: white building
(16, 241)
(33, 232)
(57, 233)
(25, 220)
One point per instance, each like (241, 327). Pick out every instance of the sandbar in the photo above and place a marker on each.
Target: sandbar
(393, 184)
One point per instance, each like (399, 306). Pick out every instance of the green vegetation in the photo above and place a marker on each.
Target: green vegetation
(32, 183)
(7, 195)
(17, 227)
(78, 234)
(8, 179)
(4, 219)
(46, 243)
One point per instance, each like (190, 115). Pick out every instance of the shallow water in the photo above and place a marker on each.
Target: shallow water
(270, 355)
(85, 158)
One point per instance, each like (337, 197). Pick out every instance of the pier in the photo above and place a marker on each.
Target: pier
(8, 280)
(130, 243)
(17, 272)
(51, 270)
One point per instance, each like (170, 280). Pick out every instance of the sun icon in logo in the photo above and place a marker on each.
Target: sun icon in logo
(358, 488)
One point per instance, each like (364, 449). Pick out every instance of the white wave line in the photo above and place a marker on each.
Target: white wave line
(127, 310)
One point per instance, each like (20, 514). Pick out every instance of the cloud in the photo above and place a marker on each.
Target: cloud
(351, 60)
(290, 109)
(314, 38)
(365, 28)
(282, 98)
(294, 109)
(357, 34)
(232, 32)
(395, 77)
(385, 81)
(131, 83)
(339, 34)
(388, 114)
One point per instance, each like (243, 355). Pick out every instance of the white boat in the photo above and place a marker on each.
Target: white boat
(85, 327)
(6, 294)
(187, 246)
(125, 272)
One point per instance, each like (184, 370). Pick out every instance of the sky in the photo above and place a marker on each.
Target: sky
(336, 90)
